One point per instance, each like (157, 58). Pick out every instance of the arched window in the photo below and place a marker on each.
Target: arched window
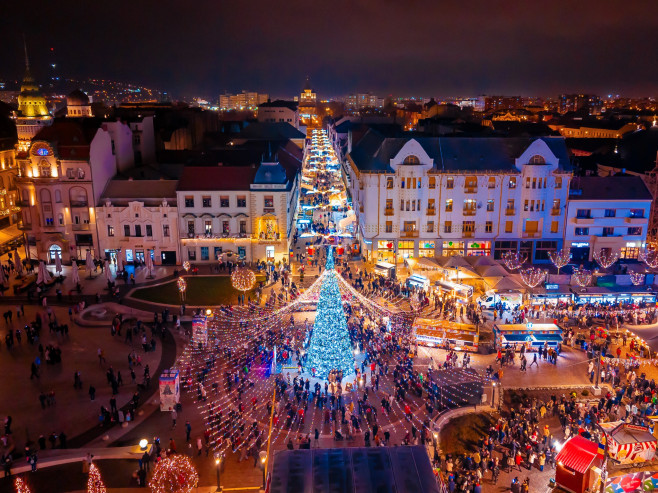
(44, 169)
(53, 252)
(537, 159)
(58, 196)
(411, 160)
(78, 197)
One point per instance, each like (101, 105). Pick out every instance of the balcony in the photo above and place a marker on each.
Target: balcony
(468, 234)
(80, 227)
(268, 210)
(431, 212)
(470, 189)
(510, 212)
(555, 211)
(530, 234)
(635, 220)
(409, 234)
(469, 212)
(583, 220)
(388, 212)
(79, 203)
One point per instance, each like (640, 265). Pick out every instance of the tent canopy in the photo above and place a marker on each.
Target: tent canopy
(353, 470)
(491, 271)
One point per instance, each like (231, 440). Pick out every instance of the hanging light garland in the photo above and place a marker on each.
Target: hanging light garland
(95, 482)
(649, 257)
(605, 258)
(560, 258)
(21, 486)
(186, 266)
(637, 278)
(175, 474)
(243, 279)
(514, 260)
(582, 277)
(532, 276)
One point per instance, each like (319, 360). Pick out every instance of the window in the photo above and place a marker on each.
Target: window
(471, 182)
(490, 205)
(70, 173)
(450, 183)
(225, 227)
(409, 226)
(430, 226)
(469, 207)
(583, 213)
(610, 213)
(637, 213)
(512, 182)
(165, 230)
(411, 160)
(488, 227)
(509, 226)
(527, 182)
(149, 230)
(110, 230)
(205, 201)
(205, 253)
(554, 226)
(189, 201)
(58, 196)
(492, 182)
(269, 201)
(608, 231)
(389, 226)
(208, 227)
(581, 231)
(634, 231)
(138, 230)
(543, 248)
(432, 182)
(243, 227)
(190, 228)
(126, 230)
(402, 183)
(447, 227)
(430, 206)
(191, 253)
(449, 205)
(389, 182)
(537, 159)
(534, 183)
(558, 182)
(468, 226)
(242, 201)
(223, 201)
(60, 219)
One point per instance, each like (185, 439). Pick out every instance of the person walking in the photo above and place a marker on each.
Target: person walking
(188, 431)
(174, 417)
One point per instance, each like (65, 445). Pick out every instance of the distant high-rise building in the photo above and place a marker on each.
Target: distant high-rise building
(244, 100)
(580, 103)
(495, 103)
(363, 100)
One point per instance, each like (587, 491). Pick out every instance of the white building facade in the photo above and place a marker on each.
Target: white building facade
(432, 196)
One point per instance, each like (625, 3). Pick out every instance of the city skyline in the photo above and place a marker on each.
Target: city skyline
(436, 49)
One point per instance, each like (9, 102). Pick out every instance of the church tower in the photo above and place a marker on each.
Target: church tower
(33, 112)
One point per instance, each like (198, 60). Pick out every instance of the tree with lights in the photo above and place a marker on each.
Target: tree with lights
(175, 474)
(330, 347)
(21, 486)
(95, 482)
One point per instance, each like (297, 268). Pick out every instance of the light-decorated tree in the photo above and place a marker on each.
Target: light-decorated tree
(175, 474)
(330, 347)
(94, 481)
(21, 486)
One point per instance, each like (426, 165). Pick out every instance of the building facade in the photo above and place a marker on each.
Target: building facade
(430, 196)
(137, 218)
(607, 213)
(279, 111)
(245, 212)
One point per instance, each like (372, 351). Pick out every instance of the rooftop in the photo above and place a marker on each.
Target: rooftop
(140, 190)
(619, 187)
(228, 178)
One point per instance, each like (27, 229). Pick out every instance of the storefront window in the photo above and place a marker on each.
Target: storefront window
(478, 248)
(451, 248)
(542, 248)
(405, 249)
(502, 247)
(629, 252)
(385, 251)
(426, 249)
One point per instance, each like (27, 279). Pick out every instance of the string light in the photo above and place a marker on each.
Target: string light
(243, 279)
(560, 258)
(605, 257)
(637, 278)
(649, 257)
(533, 276)
(21, 486)
(514, 260)
(182, 287)
(582, 277)
(94, 481)
(175, 474)
(186, 266)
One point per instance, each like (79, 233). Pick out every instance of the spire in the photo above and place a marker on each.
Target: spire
(27, 59)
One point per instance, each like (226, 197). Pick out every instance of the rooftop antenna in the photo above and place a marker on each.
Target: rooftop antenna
(27, 59)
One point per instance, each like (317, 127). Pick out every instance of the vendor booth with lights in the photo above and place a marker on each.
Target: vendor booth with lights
(629, 444)
(461, 292)
(577, 464)
(418, 281)
(385, 269)
(616, 294)
(445, 334)
(530, 335)
(551, 294)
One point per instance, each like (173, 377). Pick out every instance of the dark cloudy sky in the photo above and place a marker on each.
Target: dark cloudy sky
(433, 47)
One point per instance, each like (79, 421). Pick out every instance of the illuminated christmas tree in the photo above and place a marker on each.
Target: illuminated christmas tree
(95, 482)
(330, 347)
(175, 474)
(21, 487)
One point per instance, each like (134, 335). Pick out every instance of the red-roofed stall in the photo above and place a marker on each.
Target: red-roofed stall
(574, 464)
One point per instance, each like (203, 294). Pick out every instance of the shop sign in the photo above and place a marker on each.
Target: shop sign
(385, 245)
(427, 244)
(580, 244)
(551, 286)
(477, 246)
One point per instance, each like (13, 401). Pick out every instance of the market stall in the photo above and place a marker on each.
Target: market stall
(551, 294)
(443, 333)
(385, 269)
(616, 294)
(461, 292)
(575, 463)
(417, 281)
(629, 444)
(530, 335)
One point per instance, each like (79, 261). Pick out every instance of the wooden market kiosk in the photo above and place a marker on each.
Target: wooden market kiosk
(530, 335)
(446, 334)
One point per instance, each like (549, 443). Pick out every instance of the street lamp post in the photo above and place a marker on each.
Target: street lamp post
(218, 466)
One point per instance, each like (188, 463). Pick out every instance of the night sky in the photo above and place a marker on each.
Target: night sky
(405, 47)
